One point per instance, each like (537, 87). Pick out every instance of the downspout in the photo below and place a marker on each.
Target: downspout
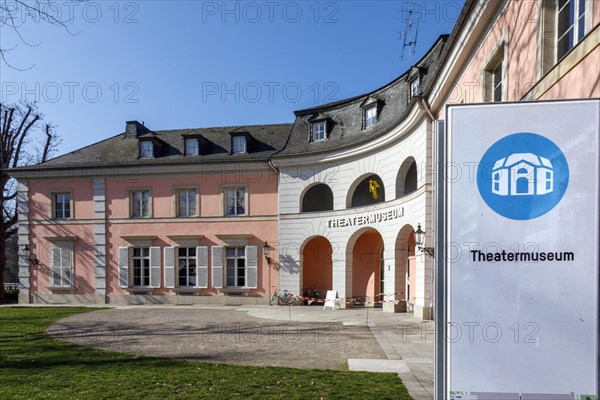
(425, 107)
(274, 168)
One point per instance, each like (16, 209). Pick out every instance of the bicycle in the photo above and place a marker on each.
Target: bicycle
(283, 298)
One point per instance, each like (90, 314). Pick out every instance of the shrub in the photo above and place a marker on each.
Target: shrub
(11, 295)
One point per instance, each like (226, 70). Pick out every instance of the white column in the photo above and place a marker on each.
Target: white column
(390, 276)
(342, 276)
(99, 235)
(23, 240)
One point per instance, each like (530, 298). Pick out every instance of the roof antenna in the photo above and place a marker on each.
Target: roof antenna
(410, 41)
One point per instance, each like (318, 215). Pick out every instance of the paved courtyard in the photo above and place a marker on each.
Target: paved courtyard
(297, 337)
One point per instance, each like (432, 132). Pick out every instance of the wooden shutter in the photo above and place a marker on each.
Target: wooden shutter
(123, 267)
(55, 280)
(155, 266)
(169, 267)
(202, 266)
(251, 267)
(217, 267)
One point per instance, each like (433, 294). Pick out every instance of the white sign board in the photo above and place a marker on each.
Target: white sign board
(331, 299)
(522, 250)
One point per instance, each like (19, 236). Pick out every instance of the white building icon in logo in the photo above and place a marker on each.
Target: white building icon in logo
(522, 174)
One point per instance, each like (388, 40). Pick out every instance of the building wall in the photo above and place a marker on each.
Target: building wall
(297, 229)
(517, 28)
(100, 224)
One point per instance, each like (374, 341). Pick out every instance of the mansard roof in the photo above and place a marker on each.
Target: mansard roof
(347, 115)
(345, 129)
(123, 150)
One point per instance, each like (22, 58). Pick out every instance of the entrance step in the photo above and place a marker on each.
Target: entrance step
(378, 365)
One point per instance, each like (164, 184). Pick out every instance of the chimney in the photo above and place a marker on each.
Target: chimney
(133, 129)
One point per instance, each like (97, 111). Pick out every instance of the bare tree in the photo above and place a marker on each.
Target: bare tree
(11, 273)
(15, 13)
(20, 126)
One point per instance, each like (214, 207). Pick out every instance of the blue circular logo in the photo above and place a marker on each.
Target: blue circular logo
(523, 176)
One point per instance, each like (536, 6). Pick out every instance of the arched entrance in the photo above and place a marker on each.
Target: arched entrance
(406, 271)
(317, 271)
(367, 253)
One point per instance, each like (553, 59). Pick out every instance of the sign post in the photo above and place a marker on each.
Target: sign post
(521, 260)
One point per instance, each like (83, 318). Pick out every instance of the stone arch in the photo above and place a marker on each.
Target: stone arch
(364, 264)
(316, 197)
(317, 264)
(407, 179)
(366, 190)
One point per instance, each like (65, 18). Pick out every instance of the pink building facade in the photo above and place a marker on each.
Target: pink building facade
(185, 222)
(183, 216)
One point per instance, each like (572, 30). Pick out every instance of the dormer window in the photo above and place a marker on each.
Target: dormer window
(191, 147)
(239, 145)
(317, 130)
(371, 108)
(146, 149)
(415, 87)
(370, 116)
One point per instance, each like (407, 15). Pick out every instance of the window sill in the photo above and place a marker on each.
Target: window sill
(236, 290)
(141, 290)
(190, 289)
(61, 289)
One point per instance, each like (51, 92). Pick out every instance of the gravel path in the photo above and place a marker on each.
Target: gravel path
(219, 336)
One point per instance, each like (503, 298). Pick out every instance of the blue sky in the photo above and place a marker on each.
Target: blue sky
(187, 64)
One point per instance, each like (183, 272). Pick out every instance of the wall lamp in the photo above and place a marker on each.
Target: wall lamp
(26, 252)
(266, 249)
(420, 240)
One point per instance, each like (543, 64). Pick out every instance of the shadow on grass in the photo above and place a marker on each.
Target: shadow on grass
(33, 365)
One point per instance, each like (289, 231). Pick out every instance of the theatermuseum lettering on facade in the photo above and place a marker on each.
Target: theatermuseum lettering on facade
(167, 216)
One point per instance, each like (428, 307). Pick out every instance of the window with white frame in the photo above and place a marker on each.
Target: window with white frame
(497, 83)
(494, 77)
(370, 116)
(562, 25)
(239, 144)
(415, 87)
(140, 203)
(61, 268)
(140, 258)
(61, 205)
(317, 130)
(186, 202)
(186, 257)
(570, 25)
(235, 264)
(235, 201)
(191, 147)
(146, 149)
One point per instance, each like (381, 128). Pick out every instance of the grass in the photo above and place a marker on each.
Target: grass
(35, 366)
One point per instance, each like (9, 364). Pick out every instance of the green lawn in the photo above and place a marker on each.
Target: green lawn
(34, 366)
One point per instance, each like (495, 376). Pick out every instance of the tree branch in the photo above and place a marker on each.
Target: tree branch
(48, 129)
(21, 139)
